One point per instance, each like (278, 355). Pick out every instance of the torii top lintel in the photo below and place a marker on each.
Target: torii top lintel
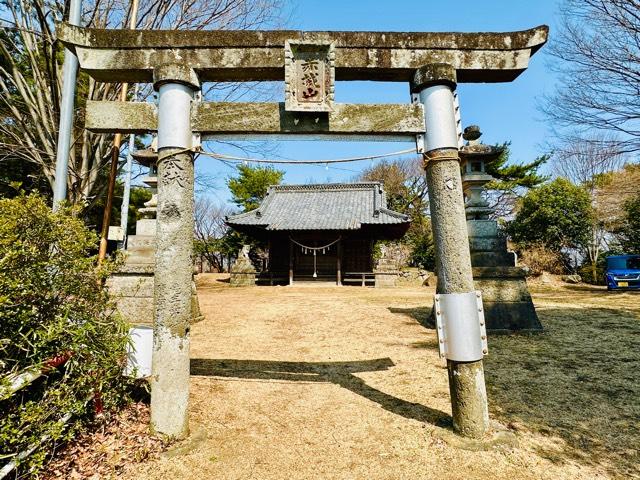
(131, 55)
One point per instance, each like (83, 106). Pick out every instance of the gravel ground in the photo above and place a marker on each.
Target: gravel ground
(344, 383)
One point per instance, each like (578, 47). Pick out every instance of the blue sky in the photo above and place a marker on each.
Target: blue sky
(505, 111)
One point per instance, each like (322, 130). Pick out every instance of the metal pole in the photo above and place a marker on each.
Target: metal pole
(115, 156)
(435, 84)
(291, 253)
(174, 247)
(69, 73)
(124, 209)
(126, 195)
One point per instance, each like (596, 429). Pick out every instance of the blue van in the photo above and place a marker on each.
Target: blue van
(623, 272)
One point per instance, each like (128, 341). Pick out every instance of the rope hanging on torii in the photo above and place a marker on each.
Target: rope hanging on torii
(323, 249)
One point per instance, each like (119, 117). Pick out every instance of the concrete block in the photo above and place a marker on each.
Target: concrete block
(146, 227)
(385, 280)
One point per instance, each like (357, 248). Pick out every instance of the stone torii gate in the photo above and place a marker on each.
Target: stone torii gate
(309, 63)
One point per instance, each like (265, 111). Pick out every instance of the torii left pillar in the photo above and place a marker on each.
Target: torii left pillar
(176, 85)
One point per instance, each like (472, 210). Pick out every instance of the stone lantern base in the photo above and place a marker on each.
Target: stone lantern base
(507, 303)
(133, 284)
(243, 273)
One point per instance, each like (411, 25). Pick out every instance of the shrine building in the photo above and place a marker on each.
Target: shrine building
(322, 232)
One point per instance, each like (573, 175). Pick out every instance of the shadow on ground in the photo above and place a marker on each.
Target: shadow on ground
(590, 289)
(339, 373)
(419, 314)
(579, 381)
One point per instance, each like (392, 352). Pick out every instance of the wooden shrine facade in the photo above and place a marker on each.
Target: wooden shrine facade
(323, 232)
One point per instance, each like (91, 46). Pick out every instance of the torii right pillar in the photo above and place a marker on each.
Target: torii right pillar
(460, 325)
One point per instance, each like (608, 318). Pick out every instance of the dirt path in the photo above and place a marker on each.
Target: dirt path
(344, 383)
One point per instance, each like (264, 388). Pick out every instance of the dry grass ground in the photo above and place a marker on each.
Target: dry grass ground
(328, 383)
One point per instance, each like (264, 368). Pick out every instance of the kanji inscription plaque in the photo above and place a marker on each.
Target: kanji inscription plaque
(309, 76)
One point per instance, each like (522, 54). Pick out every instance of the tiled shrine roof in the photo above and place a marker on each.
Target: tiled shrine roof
(332, 206)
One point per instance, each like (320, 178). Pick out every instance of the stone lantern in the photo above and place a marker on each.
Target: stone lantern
(149, 159)
(474, 158)
(507, 302)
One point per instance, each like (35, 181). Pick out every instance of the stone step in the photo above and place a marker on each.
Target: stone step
(131, 285)
(141, 255)
(141, 241)
(492, 259)
(503, 290)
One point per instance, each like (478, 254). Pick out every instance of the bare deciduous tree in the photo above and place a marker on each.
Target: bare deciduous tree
(209, 229)
(31, 75)
(592, 163)
(404, 183)
(583, 160)
(613, 191)
(597, 56)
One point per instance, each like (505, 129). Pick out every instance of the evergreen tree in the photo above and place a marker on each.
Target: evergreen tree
(511, 180)
(556, 215)
(629, 234)
(511, 176)
(248, 189)
(251, 184)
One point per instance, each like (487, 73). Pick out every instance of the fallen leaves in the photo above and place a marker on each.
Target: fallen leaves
(104, 450)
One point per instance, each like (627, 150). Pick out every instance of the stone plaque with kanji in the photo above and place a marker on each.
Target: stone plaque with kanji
(309, 76)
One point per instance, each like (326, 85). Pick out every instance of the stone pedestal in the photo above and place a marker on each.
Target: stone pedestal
(488, 247)
(507, 303)
(243, 273)
(132, 286)
(386, 273)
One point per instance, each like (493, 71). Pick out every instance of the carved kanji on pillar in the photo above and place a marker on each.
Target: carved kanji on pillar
(309, 76)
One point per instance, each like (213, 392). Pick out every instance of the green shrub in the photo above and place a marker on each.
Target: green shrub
(557, 215)
(51, 303)
(420, 240)
(629, 234)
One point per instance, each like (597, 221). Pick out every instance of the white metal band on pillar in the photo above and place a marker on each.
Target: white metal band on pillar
(174, 116)
(462, 334)
(440, 118)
